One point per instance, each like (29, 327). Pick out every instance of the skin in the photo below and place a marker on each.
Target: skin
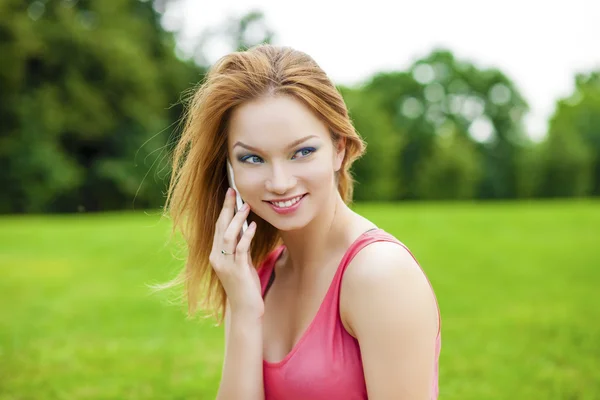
(398, 341)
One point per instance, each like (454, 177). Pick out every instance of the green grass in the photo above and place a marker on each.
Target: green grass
(518, 285)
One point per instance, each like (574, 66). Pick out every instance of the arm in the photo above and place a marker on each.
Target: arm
(391, 310)
(242, 376)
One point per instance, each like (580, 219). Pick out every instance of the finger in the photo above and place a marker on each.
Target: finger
(226, 214)
(223, 220)
(235, 226)
(242, 251)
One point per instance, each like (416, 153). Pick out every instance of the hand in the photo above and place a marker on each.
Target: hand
(235, 269)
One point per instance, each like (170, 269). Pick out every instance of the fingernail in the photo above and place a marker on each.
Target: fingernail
(229, 192)
(244, 207)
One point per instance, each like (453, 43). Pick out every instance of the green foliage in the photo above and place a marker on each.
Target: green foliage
(452, 171)
(567, 166)
(77, 321)
(90, 105)
(482, 105)
(529, 171)
(86, 85)
(377, 174)
(573, 147)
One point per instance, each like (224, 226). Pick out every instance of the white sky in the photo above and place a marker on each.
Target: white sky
(539, 44)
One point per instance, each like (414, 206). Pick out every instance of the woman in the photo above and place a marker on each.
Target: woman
(337, 308)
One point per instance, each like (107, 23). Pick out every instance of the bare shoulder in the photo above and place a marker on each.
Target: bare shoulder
(381, 258)
(382, 279)
(380, 264)
(387, 304)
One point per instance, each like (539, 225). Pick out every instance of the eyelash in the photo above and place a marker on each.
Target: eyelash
(249, 156)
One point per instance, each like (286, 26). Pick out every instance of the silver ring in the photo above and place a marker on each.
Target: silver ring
(226, 253)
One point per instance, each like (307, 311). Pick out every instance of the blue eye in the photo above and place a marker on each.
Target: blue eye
(254, 159)
(306, 151)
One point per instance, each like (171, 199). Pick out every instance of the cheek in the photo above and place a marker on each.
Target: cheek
(317, 174)
(250, 184)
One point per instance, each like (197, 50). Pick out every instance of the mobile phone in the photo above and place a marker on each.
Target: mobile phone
(239, 202)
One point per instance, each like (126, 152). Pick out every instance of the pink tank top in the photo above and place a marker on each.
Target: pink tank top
(326, 362)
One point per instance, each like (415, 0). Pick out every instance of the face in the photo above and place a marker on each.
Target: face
(284, 160)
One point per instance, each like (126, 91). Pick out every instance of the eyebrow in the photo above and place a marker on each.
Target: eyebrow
(293, 144)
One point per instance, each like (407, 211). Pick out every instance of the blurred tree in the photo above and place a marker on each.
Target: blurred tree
(529, 166)
(89, 95)
(482, 105)
(453, 170)
(86, 89)
(251, 29)
(376, 173)
(571, 156)
(566, 169)
(238, 34)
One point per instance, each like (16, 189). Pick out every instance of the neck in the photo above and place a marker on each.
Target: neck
(311, 246)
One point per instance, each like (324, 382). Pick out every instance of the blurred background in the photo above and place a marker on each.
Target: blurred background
(482, 121)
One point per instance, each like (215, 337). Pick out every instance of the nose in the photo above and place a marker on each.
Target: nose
(280, 180)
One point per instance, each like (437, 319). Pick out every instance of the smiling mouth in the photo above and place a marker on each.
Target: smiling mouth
(287, 203)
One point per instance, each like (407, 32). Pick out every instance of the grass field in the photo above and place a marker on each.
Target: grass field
(518, 285)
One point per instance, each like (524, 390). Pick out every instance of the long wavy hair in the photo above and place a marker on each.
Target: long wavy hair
(198, 182)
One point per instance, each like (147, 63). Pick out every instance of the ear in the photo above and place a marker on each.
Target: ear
(340, 153)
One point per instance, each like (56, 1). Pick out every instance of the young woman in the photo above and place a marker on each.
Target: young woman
(318, 302)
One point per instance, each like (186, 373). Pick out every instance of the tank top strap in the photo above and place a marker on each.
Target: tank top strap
(330, 308)
(368, 237)
(372, 236)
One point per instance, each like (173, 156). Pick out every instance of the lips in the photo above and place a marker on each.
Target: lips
(284, 203)
(287, 207)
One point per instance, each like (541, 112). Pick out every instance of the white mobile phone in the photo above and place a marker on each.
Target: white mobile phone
(239, 202)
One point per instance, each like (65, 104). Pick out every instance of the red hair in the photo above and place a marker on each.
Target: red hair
(198, 181)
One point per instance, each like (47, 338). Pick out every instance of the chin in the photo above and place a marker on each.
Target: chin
(287, 227)
(285, 224)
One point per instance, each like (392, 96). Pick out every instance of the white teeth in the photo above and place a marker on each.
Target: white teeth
(285, 204)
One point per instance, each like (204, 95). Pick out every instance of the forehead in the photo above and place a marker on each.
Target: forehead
(274, 120)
